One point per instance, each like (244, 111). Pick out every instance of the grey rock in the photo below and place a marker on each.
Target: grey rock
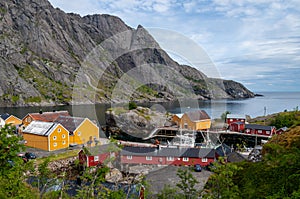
(50, 57)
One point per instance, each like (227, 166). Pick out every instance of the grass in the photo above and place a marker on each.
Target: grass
(59, 156)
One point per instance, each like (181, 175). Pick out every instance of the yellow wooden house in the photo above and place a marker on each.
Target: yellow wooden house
(11, 119)
(49, 136)
(82, 131)
(194, 120)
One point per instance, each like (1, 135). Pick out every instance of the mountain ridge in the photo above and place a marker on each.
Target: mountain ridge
(47, 58)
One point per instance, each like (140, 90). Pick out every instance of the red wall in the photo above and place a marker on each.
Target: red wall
(237, 127)
(101, 159)
(234, 120)
(163, 161)
(263, 132)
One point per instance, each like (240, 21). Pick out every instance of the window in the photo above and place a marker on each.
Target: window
(148, 157)
(185, 159)
(231, 120)
(96, 158)
(267, 132)
(59, 130)
(129, 157)
(170, 158)
(54, 137)
(259, 131)
(63, 142)
(204, 159)
(55, 144)
(63, 136)
(79, 133)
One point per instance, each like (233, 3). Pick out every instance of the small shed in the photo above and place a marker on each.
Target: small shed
(231, 118)
(237, 126)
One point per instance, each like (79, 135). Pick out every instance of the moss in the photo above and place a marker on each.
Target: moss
(33, 99)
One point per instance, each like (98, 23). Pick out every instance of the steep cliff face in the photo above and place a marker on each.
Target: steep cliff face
(50, 57)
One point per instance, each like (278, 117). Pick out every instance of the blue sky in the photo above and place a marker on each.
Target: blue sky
(255, 42)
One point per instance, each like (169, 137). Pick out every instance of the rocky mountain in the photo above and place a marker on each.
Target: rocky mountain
(49, 57)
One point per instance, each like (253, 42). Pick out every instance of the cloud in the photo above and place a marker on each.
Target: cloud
(248, 40)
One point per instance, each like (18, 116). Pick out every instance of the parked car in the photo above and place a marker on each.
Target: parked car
(29, 155)
(24, 158)
(197, 167)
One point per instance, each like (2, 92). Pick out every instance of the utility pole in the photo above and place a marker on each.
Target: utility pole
(265, 112)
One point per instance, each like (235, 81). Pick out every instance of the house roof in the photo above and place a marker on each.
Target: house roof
(197, 115)
(40, 128)
(69, 122)
(179, 115)
(235, 116)
(258, 127)
(5, 116)
(48, 116)
(101, 149)
(235, 157)
(168, 152)
(239, 123)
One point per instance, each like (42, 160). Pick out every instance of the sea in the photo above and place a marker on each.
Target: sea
(268, 103)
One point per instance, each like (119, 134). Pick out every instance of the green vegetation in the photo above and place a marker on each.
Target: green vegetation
(49, 89)
(287, 119)
(276, 176)
(132, 105)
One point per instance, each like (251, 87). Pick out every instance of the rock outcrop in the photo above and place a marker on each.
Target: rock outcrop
(49, 57)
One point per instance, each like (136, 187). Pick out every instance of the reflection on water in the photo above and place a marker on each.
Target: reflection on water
(273, 101)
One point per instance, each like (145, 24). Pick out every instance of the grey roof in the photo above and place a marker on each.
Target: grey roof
(197, 115)
(168, 152)
(69, 122)
(101, 149)
(259, 127)
(5, 116)
(40, 128)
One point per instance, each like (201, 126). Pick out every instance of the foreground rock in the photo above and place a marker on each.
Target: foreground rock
(139, 122)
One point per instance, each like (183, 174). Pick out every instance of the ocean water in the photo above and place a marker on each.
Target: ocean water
(270, 102)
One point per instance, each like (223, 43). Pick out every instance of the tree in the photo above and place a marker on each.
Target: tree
(187, 184)
(12, 167)
(221, 184)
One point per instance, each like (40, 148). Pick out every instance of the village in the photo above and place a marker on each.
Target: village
(175, 144)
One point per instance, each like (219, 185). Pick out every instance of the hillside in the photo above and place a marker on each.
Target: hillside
(49, 57)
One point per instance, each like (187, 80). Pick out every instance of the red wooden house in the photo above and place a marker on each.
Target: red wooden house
(260, 129)
(167, 156)
(96, 155)
(237, 126)
(231, 118)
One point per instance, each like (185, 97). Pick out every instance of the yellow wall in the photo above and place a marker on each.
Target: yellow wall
(88, 131)
(186, 123)
(27, 120)
(13, 120)
(59, 138)
(36, 141)
(176, 119)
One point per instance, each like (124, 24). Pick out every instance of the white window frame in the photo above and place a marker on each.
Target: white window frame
(79, 133)
(64, 142)
(96, 158)
(259, 131)
(149, 158)
(129, 157)
(63, 136)
(185, 159)
(204, 160)
(59, 130)
(54, 144)
(268, 132)
(54, 137)
(170, 158)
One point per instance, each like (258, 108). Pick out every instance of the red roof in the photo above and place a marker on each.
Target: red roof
(48, 116)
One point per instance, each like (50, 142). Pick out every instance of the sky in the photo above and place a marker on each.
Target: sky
(254, 42)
